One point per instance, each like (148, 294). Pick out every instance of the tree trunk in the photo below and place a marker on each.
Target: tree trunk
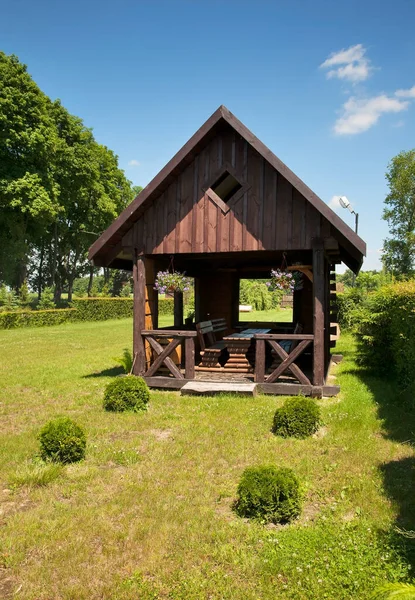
(70, 287)
(22, 274)
(90, 281)
(40, 271)
(58, 292)
(54, 267)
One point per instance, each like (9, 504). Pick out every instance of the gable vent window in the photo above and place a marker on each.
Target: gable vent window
(226, 186)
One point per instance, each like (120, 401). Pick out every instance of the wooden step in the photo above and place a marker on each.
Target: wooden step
(209, 388)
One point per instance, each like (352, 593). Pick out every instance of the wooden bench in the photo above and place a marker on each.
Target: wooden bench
(212, 350)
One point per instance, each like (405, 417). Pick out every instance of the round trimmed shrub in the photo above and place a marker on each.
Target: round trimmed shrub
(126, 393)
(269, 494)
(62, 440)
(298, 417)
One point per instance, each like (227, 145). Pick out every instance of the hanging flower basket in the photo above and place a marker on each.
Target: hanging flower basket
(172, 281)
(285, 281)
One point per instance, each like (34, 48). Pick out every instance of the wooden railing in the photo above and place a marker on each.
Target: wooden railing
(163, 352)
(287, 358)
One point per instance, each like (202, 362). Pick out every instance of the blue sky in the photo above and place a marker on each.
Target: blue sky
(328, 86)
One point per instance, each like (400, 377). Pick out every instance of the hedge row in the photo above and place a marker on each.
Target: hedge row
(84, 309)
(36, 318)
(166, 306)
(386, 332)
(349, 304)
(102, 309)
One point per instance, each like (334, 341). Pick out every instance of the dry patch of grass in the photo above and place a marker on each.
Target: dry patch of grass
(148, 513)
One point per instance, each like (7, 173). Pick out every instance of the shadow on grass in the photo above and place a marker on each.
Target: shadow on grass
(396, 409)
(399, 482)
(113, 372)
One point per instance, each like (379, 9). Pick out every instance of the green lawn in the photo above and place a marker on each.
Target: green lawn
(149, 515)
(280, 315)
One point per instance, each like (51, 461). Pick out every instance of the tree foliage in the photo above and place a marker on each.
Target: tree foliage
(399, 212)
(366, 281)
(254, 292)
(59, 188)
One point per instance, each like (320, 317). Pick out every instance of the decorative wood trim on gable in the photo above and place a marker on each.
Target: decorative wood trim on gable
(206, 187)
(225, 208)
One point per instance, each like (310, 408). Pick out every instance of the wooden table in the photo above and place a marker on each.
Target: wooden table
(238, 346)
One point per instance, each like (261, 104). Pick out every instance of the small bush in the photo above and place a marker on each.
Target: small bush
(269, 494)
(62, 440)
(46, 301)
(126, 393)
(298, 417)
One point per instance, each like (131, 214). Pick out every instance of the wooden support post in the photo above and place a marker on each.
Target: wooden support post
(178, 322)
(189, 372)
(139, 316)
(151, 295)
(178, 310)
(318, 312)
(235, 301)
(260, 361)
(197, 299)
(151, 321)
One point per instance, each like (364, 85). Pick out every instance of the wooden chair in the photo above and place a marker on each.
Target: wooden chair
(287, 345)
(212, 350)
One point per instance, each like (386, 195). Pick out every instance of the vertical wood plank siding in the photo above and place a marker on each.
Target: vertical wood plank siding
(269, 214)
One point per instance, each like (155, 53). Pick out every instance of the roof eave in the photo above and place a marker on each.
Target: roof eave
(97, 253)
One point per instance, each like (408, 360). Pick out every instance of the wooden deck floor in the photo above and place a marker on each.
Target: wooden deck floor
(286, 385)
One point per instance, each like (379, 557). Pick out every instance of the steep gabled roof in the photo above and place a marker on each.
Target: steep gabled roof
(112, 236)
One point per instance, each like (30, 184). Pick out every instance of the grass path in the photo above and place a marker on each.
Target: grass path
(148, 513)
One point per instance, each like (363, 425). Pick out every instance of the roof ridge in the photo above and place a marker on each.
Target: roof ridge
(126, 218)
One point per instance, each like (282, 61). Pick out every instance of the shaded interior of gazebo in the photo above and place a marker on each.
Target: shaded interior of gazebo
(216, 281)
(225, 209)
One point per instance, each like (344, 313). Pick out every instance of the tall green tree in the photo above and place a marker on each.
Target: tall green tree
(92, 192)
(28, 192)
(57, 186)
(136, 190)
(399, 212)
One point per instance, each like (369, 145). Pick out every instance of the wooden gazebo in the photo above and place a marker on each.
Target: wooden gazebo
(226, 208)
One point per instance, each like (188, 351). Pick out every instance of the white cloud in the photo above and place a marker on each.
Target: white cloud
(350, 64)
(133, 163)
(361, 114)
(334, 203)
(406, 93)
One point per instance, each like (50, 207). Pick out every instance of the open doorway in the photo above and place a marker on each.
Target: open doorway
(259, 305)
